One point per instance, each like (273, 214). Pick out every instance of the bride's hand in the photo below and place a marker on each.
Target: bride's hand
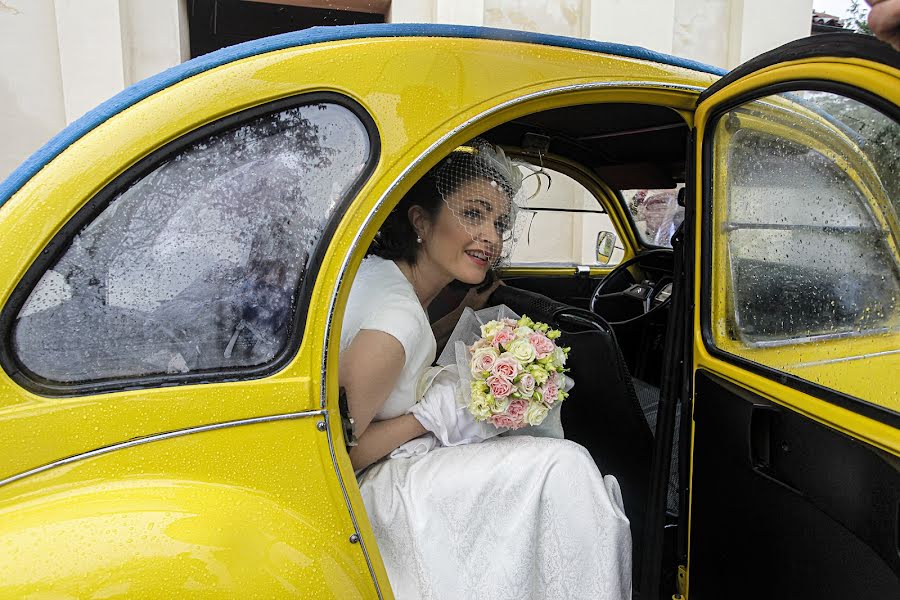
(476, 300)
(439, 413)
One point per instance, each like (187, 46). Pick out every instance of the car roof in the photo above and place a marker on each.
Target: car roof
(315, 35)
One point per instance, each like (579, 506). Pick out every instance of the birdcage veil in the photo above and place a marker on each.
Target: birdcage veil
(482, 188)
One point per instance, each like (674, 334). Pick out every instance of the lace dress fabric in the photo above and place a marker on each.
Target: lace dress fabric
(511, 517)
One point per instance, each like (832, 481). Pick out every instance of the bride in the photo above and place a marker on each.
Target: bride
(510, 517)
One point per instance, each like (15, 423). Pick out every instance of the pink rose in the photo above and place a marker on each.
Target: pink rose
(517, 408)
(509, 421)
(483, 360)
(543, 346)
(504, 420)
(479, 343)
(553, 378)
(550, 394)
(507, 368)
(503, 338)
(510, 323)
(500, 388)
(526, 385)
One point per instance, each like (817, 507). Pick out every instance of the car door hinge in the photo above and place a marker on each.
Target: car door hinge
(680, 580)
(349, 427)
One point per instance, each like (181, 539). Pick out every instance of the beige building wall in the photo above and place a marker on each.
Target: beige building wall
(63, 57)
(723, 33)
(32, 108)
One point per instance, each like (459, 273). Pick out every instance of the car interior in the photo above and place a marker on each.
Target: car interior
(617, 325)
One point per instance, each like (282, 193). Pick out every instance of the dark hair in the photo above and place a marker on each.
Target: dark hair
(396, 240)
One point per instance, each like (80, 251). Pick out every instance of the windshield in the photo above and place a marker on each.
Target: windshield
(656, 214)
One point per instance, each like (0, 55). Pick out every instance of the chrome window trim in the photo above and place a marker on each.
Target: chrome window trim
(831, 361)
(329, 320)
(158, 437)
(810, 339)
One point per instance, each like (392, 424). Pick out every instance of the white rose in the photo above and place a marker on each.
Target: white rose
(559, 357)
(490, 328)
(522, 351)
(536, 413)
(526, 385)
(523, 331)
(500, 405)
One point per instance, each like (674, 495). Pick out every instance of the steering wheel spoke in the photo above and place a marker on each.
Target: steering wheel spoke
(651, 294)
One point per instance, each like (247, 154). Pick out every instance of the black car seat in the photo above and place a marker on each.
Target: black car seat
(602, 413)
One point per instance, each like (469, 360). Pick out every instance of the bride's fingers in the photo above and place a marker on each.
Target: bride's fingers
(884, 20)
(487, 293)
(476, 300)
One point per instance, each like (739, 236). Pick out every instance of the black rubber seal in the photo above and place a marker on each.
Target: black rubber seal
(836, 45)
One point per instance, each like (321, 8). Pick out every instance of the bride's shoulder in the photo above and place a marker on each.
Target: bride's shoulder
(380, 284)
(381, 277)
(375, 267)
(382, 299)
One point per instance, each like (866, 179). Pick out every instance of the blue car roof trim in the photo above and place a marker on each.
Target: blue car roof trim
(315, 35)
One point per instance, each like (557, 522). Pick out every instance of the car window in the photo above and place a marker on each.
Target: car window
(656, 214)
(560, 224)
(805, 238)
(195, 266)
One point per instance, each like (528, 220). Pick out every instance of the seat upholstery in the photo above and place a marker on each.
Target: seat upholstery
(602, 413)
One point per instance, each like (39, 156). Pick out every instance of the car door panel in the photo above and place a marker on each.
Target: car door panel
(797, 510)
(95, 460)
(795, 476)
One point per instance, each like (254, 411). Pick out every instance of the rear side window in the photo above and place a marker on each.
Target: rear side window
(562, 224)
(196, 266)
(805, 243)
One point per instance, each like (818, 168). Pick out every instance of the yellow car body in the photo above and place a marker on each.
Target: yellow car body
(241, 487)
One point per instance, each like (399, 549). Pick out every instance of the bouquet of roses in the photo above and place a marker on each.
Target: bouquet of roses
(517, 372)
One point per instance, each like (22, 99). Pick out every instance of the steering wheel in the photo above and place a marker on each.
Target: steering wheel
(653, 294)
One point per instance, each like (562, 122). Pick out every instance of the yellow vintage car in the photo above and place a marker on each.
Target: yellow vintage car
(175, 264)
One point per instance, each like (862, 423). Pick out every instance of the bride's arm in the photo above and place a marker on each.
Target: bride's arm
(382, 438)
(368, 372)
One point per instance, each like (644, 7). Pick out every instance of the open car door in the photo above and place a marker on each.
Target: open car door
(795, 395)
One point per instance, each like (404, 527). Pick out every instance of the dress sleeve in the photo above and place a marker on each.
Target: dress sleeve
(400, 321)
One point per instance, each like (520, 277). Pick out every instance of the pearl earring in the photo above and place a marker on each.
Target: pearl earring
(418, 239)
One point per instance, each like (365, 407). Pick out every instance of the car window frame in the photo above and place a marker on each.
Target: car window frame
(841, 399)
(98, 203)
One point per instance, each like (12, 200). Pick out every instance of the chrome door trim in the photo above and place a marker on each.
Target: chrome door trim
(360, 540)
(158, 437)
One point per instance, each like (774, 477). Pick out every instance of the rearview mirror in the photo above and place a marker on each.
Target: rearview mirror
(606, 243)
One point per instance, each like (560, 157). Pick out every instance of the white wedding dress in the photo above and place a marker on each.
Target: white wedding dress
(512, 517)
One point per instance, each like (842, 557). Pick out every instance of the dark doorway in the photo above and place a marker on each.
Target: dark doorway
(214, 24)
